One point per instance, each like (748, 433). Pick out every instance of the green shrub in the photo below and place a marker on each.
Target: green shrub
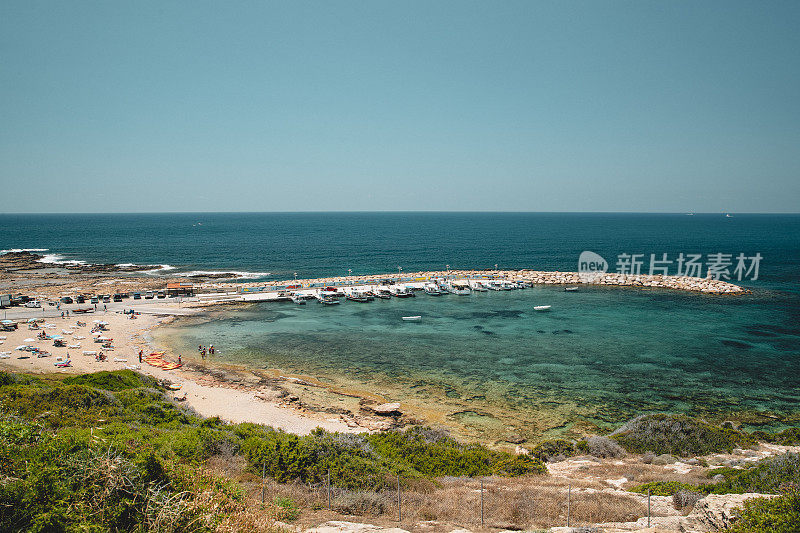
(677, 435)
(771, 475)
(665, 488)
(769, 515)
(553, 448)
(115, 380)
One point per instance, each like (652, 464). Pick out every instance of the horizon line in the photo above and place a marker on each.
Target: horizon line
(683, 213)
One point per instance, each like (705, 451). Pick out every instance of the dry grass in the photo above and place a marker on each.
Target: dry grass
(511, 503)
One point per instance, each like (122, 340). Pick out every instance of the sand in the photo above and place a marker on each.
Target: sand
(129, 336)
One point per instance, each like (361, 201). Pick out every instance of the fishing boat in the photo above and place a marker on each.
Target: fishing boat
(432, 289)
(400, 291)
(541, 308)
(495, 286)
(414, 318)
(477, 286)
(507, 286)
(459, 288)
(299, 300)
(383, 294)
(570, 289)
(329, 301)
(356, 297)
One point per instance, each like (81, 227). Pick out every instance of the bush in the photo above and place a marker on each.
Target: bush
(677, 435)
(664, 488)
(771, 475)
(685, 498)
(604, 447)
(769, 515)
(553, 448)
(360, 503)
(112, 380)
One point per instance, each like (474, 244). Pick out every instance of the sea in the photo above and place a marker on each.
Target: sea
(487, 365)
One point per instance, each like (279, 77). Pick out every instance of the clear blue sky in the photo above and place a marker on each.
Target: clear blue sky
(498, 106)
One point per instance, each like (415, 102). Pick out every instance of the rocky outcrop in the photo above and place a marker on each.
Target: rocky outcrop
(13, 261)
(715, 512)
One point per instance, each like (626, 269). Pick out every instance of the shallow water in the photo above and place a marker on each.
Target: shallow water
(489, 363)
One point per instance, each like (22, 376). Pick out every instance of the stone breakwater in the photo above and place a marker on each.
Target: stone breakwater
(682, 283)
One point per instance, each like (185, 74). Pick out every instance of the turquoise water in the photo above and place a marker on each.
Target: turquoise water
(485, 361)
(600, 356)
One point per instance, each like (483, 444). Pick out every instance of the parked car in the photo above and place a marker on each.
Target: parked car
(161, 294)
(137, 296)
(117, 297)
(149, 296)
(66, 300)
(80, 299)
(32, 303)
(106, 299)
(94, 300)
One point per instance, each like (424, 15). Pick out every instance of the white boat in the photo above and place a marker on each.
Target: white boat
(507, 286)
(432, 289)
(459, 288)
(415, 318)
(400, 291)
(477, 286)
(541, 308)
(570, 289)
(297, 299)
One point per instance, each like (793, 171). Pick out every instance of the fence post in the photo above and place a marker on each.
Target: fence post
(481, 502)
(569, 501)
(328, 489)
(264, 481)
(648, 507)
(399, 503)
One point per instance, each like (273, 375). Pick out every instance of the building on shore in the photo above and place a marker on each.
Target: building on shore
(183, 288)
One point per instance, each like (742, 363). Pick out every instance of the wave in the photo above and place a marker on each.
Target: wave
(234, 273)
(18, 250)
(161, 268)
(56, 259)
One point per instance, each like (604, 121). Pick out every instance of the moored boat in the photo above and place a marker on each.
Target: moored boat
(541, 308)
(414, 318)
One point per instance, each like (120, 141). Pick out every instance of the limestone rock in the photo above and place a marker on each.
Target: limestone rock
(387, 409)
(715, 512)
(337, 526)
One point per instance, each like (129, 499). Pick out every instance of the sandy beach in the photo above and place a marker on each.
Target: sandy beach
(244, 403)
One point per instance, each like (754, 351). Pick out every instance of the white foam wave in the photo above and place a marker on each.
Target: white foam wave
(18, 250)
(56, 259)
(160, 269)
(234, 273)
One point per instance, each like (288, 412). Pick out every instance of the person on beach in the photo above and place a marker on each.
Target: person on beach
(105, 307)
(211, 350)
(62, 314)
(140, 356)
(180, 362)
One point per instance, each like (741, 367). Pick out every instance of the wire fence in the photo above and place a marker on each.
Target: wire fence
(484, 502)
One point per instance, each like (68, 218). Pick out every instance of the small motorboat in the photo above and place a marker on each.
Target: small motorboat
(329, 301)
(570, 289)
(477, 286)
(432, 289)
(299, 300)
(541, 308)
(415, 318)
(356, 297)
(383, 295)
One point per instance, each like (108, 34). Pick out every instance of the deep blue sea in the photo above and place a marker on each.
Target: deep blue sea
(487, 362)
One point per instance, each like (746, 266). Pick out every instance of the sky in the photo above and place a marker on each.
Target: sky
(671, 106)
